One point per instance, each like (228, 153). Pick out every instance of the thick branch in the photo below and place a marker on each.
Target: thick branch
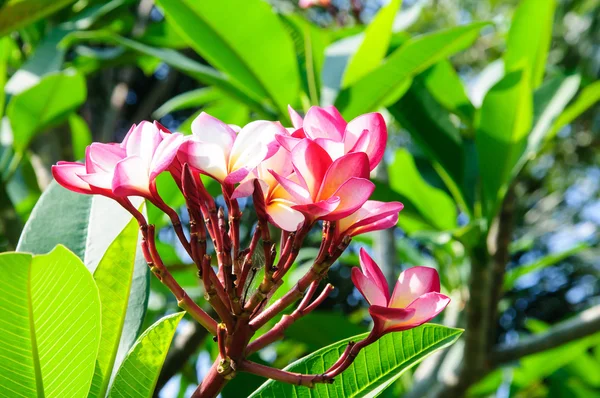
(584, 324)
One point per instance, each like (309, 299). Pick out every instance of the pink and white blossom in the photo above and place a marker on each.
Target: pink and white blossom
(416, 298)
(372, 216)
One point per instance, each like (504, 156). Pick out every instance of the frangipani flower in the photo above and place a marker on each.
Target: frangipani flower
(416, 298)
(126, 169)
(323, 188)
(372, 216)
(278, 201)
(216, 150)
(326, 126)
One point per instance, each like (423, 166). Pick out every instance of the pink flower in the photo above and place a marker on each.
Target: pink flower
(278, 201)
(216, 150)
(126, 169)
(416, 298)
(366, 133)
(372, 216)
(323, 188)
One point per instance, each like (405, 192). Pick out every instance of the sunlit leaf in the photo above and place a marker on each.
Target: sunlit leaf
(50, 325)
(374, 369)
(588, 97)
(17, 14)
(139, 371)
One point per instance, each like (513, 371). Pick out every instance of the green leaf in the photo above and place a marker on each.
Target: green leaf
(93, 222)
(17, 14)
(54, 96)
(81, 136)
(50, 325)
(548, 103)
(113, 278)
(139, 372)
(375, 368)
(433, 205)
(528, 43)
(431, 127)
(4, 53)
(189, 99)
(446, 87)
(501, 137)
(374, 46)
(310, 43)
(259, 56)
(381, 85)
(588, 97)
(546, 261)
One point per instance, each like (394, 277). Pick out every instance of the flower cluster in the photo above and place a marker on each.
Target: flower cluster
(317, 171)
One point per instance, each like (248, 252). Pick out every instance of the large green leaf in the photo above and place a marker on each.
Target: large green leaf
(501, 137)
(17, 14)
(529, 38)
(50, 325)
(113, 278)
(431, 127)
(81, 136)
(380, 87)
(588, 97)
(53, 96)
(433, 205)
(87, 225)
(139, 371)
(258, 55)
(374, 369)
(374, 46)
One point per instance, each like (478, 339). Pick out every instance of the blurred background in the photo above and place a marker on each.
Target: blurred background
(74, 72)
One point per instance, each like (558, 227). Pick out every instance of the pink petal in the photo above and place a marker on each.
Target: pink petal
(66, 174)
(143, 142)
(283, 216)
(300, 195)
(131, 178)
(335, 149)
(372, 216)
(367, 133)
(288, 141)
(353, 194)
(341, 170)
(424, 309)
(208, 158)
(368, 288)
(165, 154)
(101, 180)
(211, 130)
(296, 118)
(319, 209)
(255, 143)
(237, 176)
(103, 157)
(373, 273)
(123, 144)
(246, 188)
(412, 284)
(311, 163)
(391, 319)
(324, 123)
(281, 163)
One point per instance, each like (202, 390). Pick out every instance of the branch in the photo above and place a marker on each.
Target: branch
(584, 324)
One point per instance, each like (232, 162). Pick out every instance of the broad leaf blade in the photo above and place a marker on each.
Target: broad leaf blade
(380, 87)
(113, 278)
(189, 99)
(501, 137)
(528, 41)
(588, 97)
(259, 56)
(139, 371)
(433, 205)
(58, 324)
(92, 224)
(374, 369)
(32, 109)
(81, 136)
(374, 46)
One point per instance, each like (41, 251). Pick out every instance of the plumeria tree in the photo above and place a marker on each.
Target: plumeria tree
(314, 173)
